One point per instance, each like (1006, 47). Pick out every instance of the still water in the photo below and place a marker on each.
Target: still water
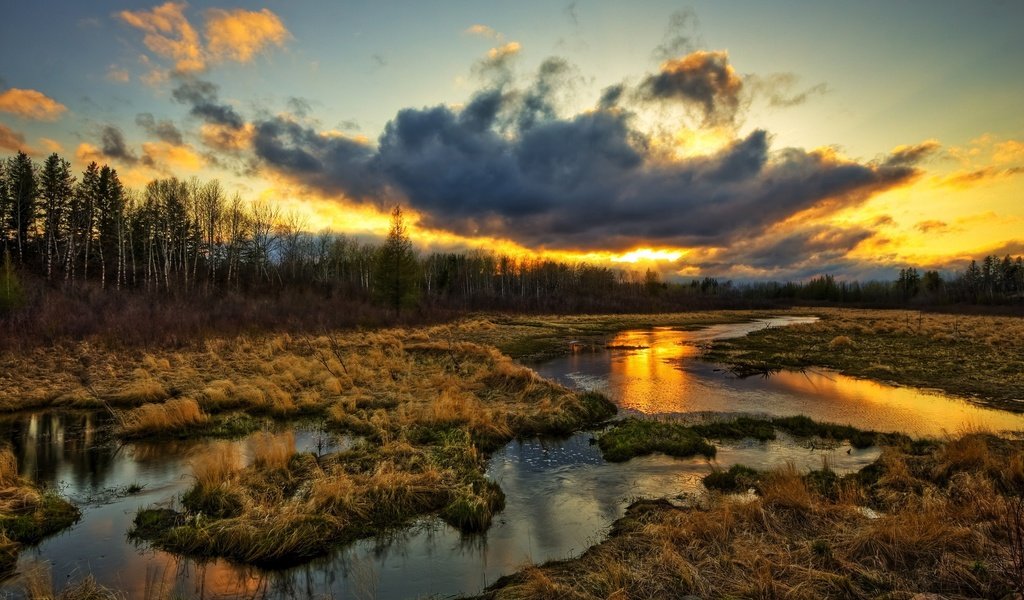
(561, 495)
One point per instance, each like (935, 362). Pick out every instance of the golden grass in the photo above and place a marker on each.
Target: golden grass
(793, 540)
(272, 451)
(37, 584)
(157, 419)
(217, 466)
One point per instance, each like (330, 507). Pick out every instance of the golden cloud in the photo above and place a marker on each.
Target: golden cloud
(509, 49)
(1008, 152)
(31, 104)
(164, 156)
(87, 153)
(12, 140)
(169, 34)
(483, 31)
(241, 34)
(226, 139)
(51, 145)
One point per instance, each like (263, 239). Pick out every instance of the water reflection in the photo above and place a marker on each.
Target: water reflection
(663, 377)
(561, 495)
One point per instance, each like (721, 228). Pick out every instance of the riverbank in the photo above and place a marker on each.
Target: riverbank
(976, 357)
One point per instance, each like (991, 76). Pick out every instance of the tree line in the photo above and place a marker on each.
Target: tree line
(175, 238)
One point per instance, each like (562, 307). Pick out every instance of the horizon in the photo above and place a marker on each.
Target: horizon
(716, 149)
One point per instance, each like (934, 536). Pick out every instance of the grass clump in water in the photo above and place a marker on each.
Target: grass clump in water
(27, 514)
(737, 478)
(639, 437)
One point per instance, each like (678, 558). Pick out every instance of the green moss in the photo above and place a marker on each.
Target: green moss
(743, 427)
(218, 502)
(737, 479)
(639, 437)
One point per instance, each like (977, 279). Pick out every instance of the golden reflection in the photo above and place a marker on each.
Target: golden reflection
(655, 372)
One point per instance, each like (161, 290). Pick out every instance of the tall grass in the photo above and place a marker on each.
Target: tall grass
(272, 451)
(158, 419)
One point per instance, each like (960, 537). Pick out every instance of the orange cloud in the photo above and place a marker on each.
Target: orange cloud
(509, 49)
(12, 140)
(51, 145)
(966, 179)
(169, 34)
(241, 34)
(164, 156)
(87, 153)
(227, 139)
(483, 31)
(31, 104)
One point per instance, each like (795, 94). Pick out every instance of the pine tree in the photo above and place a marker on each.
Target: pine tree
(396, 271)
(56, 188)
(22, 188)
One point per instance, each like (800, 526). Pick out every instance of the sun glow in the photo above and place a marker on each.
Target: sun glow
(648, 254)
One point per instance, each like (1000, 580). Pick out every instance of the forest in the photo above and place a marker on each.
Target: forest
(84, 254)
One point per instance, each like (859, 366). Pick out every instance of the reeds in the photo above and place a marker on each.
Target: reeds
(161, 419)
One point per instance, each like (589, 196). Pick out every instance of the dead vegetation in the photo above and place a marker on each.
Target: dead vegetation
(974, 356)
(27, 514)
(937, 522)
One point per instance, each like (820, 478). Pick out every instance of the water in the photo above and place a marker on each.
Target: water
(560, 495)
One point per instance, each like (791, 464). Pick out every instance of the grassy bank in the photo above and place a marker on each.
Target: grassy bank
(633, 437)
(946, 520)
(974, 356)
(27, 514)
(429, 413)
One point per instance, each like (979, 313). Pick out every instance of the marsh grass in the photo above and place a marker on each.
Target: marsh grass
(807, 535)
(160, 419)
(981, 357)
(27, 514)
(37, 583)
(633, 437)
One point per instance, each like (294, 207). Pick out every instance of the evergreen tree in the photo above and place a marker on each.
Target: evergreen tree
(22, 188)
(57, 185)
(11, 295)
(396, 270)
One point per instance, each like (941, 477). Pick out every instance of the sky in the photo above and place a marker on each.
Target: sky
(747, 140)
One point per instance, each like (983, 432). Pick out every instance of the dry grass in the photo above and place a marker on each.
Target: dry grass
(38, 585)
(159, 419)
(217, 466)
(974, 356)
(272, 451)
(948, 536)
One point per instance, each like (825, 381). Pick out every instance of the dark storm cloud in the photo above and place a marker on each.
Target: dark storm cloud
(202, 98)
(163, 129)
(589, 181)
(704, 79)
(113, 146)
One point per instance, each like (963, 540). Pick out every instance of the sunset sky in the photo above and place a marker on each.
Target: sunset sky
(749, 140)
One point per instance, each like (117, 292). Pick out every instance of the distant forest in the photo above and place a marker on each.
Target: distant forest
(82, 255)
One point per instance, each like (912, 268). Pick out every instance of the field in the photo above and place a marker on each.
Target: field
(980, 357)
(427, 406)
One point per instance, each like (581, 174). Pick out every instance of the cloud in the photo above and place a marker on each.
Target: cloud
(30, 104)
(681, 35)
(50, 145)
(779, 89)
(908, 155)
(483, 31)
(13, 140)
(171, 158)
(169, 34)
(225, 138)
(118, 75)
(702, 78)
(113, 145)
(240, 35)
(1008, 151)
(164, 129)
(504, 51)
(932, 226)
(591, 180)
(971, 178)
(202, 98)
